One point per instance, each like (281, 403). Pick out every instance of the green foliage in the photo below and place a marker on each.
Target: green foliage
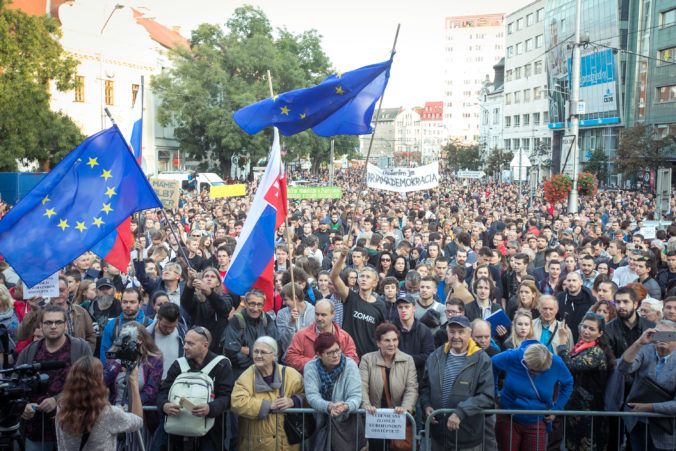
(223, 72)
(641, 149)
(497, 161)
(598, 164)
(31, 57)
(469, 157)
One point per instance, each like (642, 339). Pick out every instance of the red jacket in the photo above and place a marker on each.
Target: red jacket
(302, 348)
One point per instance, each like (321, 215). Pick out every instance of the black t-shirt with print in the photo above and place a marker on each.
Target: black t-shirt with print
(360, 321)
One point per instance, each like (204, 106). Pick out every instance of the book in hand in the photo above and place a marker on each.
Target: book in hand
(498, 318)
(187, 404)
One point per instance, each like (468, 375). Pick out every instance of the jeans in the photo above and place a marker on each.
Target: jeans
(637, 437)
(40, 446)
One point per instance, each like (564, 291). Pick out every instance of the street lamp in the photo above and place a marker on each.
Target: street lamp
(117, 7)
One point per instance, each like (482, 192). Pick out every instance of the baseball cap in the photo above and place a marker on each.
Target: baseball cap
(460, 320)
(405, 297)
(104, 282)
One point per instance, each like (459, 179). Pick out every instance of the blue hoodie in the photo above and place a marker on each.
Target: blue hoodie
(518, 392)
(107, 336)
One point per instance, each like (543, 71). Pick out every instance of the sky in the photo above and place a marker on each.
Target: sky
(355, 33)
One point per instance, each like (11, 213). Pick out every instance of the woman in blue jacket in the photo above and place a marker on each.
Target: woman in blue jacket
(532, 372)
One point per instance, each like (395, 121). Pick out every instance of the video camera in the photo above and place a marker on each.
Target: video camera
(23, 382)
(125, 348)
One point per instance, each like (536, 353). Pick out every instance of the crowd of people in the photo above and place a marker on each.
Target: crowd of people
(462, 298)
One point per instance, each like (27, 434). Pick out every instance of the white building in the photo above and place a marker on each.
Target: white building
(408, 137)
(473, 44)
(526, 108)
(491, 102)
(434, 133)
(116, 46)
(382, 150)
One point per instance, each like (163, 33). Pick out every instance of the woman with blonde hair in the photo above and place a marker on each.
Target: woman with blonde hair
(85, 294)
(8, 317)
(85, 420)
(522, 329)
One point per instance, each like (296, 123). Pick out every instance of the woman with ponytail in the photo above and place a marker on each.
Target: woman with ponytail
(84, 419)
(591, 362)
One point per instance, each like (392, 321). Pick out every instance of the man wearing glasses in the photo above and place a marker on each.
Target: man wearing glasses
(196, 351)
(55, 346)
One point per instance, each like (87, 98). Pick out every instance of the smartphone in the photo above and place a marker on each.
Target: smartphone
(565, 318)
(664, 335)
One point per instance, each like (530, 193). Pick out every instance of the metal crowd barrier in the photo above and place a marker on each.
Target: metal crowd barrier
(427, 444)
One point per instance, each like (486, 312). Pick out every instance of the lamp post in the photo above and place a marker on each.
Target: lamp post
(117, 6)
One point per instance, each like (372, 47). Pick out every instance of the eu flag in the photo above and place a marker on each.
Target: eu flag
(80, 202)
(342, 104)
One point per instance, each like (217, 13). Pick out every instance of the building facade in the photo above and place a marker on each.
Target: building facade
(382, 150)
(526, 113)
(408, 137)
(472, 45)
(433, 131)
(491, 102)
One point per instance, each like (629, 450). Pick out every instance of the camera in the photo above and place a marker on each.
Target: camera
(18, 385)
(125, 348)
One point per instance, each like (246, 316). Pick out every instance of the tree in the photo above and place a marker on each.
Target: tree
(451, 150)
(598, 164)
(641, 149)
(469, 157)
(497, 160)
(223, 72)
(31, 57)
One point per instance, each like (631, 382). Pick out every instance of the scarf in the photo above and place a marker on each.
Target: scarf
(581, 346)
(329, 379)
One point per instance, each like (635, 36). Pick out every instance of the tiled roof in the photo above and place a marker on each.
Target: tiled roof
(163, 35)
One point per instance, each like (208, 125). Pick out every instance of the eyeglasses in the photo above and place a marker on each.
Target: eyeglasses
(53, 323)
(385, 260)
(202, 331)
(333, 353)
(255, 304)
(260, 352)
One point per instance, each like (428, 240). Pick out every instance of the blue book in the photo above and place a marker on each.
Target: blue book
(498, 318)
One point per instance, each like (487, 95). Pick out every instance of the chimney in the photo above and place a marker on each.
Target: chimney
(176, 29)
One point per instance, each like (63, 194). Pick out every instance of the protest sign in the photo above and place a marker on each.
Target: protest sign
(403, 180)
(467, 174)
(386, 424)
(238, 190)
(48, 288)
(308, 192)
(167, 191)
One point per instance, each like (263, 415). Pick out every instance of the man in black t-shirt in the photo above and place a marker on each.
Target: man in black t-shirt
(362, 312)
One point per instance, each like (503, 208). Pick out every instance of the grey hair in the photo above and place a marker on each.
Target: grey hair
(668, 323)
(547, 297)
(269, 342)
(654, 304)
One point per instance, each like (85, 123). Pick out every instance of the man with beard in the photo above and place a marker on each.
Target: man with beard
(103, 307)
(574, 302)
(131, 311)
(629, 325)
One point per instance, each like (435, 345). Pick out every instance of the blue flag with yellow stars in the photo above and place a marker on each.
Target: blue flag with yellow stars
(83, 199)
(342, 104)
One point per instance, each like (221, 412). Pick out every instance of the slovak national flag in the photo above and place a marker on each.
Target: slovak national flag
(252, 262)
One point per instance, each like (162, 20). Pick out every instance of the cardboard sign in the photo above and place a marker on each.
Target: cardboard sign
(167, 190)
(238, 190)
(386, 424)
(306, 192)
(48, 288)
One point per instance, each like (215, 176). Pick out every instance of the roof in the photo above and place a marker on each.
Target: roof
(163, 35)
(37, 7)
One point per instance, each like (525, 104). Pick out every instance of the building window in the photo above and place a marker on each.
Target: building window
(666, 94)
(525, 143)
(110, 98)
(668, 18)
(545, 117)
(526, 120)
(529, 45)
(540, 14)
(510, 27)
(496, 115)
(539, 40)
(510, 51)
(517, 97)
(508, 144)
(519, 48)
(508, 98)
(134, 92)
(667, 56)
(79, 88)
(515, 143)
(517, 73)
(529, 19)
(537, 67)
(519, 24)
(536, 118)
(537, 93)
(526, 95)
(508, 75)
(517, 120)
(508, 121)
(527, 70)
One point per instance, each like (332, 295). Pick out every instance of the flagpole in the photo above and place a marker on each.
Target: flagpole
(164, 213)
(373, 134)
(286, 223)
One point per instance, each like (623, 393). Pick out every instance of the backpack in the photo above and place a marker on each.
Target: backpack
(241, 323)
(198, 387)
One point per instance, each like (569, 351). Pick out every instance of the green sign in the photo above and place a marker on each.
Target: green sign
(306, 192)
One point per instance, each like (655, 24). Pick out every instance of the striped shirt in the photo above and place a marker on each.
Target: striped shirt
(454, 363)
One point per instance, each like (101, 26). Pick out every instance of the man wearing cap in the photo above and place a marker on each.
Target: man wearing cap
(103, 307)
(457, 376)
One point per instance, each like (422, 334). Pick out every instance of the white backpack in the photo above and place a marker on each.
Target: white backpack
(197, 387)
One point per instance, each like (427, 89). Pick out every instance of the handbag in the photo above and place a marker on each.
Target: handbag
(295, 427)
(650, 391)
(398, 445)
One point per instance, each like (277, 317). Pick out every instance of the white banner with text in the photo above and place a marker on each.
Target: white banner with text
(403, 180)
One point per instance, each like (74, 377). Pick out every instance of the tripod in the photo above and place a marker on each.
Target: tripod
(10, 438)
